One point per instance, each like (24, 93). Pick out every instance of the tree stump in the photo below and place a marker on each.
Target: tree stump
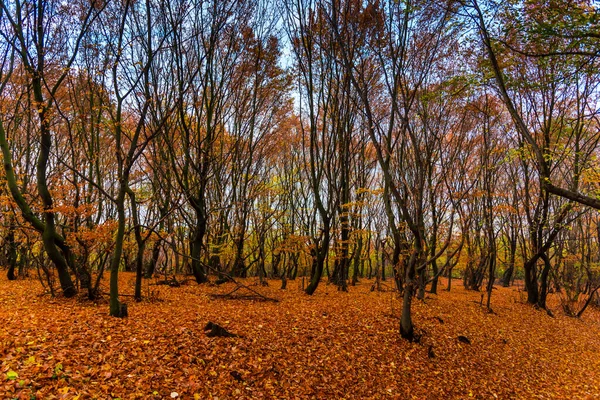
(215, 330)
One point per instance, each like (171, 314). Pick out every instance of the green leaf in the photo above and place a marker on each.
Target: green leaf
(12, 375)
(58, 368)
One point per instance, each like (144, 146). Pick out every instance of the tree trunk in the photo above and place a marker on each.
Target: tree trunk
(543, 292)
(155, 255)
(491, 275)
(115, 305)
(531, 280)
(357, 261)
(406, 325)
(11, 256)
(196, 251)
(421, 281)
(382, 263)
(322, 247)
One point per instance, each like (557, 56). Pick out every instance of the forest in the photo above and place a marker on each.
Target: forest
(264, 153)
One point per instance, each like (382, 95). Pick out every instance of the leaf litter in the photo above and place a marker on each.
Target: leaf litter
(329, 345)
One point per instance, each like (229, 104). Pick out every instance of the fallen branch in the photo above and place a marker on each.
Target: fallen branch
(259, 296)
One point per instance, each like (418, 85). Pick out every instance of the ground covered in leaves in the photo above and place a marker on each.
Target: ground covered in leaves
(331, 345)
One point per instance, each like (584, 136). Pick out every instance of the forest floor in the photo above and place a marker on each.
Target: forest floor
(331, 345)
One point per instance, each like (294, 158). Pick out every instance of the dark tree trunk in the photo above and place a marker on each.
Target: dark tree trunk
(239, 266)
(382, 263)
(422, 279)
(11, 256)
(10, 274)
(531, 281)
(357, 261)
(321, 249)
(543, 292)
(507, 276)
(293, 271)
(275, 261)
(399, 267)
(406, 325)
(196, 252)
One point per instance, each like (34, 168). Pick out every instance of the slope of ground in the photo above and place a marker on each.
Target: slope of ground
(326, 346)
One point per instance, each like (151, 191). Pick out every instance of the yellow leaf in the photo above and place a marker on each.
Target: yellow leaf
(64, 390)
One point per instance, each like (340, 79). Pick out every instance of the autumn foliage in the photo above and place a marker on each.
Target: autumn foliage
(201, 169)
(330, 345)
